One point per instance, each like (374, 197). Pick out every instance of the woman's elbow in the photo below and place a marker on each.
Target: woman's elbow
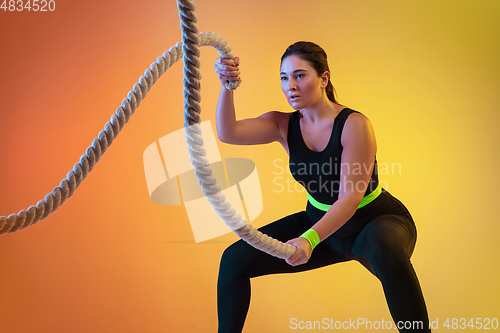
(222, 138)
(225, 137)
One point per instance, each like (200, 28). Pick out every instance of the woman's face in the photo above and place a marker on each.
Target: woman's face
(300, 82)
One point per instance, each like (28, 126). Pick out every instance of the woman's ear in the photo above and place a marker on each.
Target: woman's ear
(324, 79)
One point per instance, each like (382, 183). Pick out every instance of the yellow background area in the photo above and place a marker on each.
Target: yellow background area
(426, 73)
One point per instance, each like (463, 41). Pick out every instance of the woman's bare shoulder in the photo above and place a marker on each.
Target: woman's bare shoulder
(358, 130)
(357, 121)
(280, 117)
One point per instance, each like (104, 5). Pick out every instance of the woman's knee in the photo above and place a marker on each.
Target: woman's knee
(232, 256)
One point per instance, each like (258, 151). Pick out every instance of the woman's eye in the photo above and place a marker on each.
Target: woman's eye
(283, 78)
(300, 76)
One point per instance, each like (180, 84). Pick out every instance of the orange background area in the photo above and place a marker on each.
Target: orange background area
(426, 73)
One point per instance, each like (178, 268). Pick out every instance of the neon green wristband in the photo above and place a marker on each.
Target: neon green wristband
(312, 237)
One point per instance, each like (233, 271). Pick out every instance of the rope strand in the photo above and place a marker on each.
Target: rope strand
(81, 169)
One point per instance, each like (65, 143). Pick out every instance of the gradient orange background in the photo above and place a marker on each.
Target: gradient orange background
(109, 260)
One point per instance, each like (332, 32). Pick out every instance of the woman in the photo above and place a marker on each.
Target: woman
(332, 152)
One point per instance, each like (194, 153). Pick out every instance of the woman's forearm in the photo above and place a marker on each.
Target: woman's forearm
(225, 117)
(338, 214)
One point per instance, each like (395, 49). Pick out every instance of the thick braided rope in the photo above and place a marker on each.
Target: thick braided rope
(81, 169)
(94, 152)
(190, 42)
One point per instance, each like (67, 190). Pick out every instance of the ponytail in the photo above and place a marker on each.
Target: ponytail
(330, 92)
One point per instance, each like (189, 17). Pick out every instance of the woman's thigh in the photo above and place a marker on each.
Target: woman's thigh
(243, 259)
(384, 239)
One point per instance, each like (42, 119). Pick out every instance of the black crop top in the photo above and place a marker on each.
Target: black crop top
(319, 172)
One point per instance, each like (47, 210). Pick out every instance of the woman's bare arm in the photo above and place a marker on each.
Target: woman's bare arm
(260, 130)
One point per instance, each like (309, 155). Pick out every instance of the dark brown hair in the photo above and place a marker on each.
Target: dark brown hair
(316, 57)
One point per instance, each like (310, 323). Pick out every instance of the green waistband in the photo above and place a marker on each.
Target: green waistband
(365, 201)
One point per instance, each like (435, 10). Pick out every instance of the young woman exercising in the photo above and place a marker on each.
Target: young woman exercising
(332, 151)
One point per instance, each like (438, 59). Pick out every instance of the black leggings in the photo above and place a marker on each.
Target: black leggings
(381, 236)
